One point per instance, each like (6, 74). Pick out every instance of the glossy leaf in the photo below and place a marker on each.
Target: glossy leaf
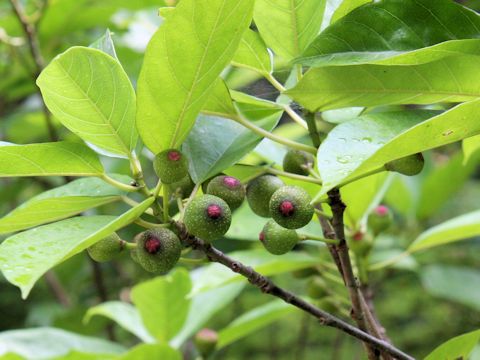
(48, 159)
(288, 26)
(451, 79)
(124, 314)
(379, 138)
(173, 87)
(254, 320)
(252, 53)
(458, 228)
(387, 28)
(26, 256)
(90, 93)
(152, 351)
(45, 343)
(163, 303)
(219, 102)
(460, 347)
(458, 284)
(60, 203)
(346, 7)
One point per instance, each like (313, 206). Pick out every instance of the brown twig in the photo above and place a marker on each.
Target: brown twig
(267, 286)
(57, 289)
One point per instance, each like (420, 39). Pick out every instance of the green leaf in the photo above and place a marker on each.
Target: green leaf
(254, 320)
(458, 228)
(45, 343)
(346, 7)
(152, 351)
(163, 303)
(289, 26)
(26, 256)
(219, 101)
(451, 79)
(459, 347)
(211, 302)
(173, 87)
(105, 44)
(470, 146)
(216, 143)
(376, 139)
(252, 53)
(216, 275)
(458, 284)
(90, 93)
(385, 29)
(48, 159)
(124, 314)
(60, 203)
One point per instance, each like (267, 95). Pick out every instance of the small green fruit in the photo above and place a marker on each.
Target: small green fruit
(157, 250)
(409, 165)
(276, 239)
(207, 217)
(106, 249)
(259, 192)
(360, 243)
(206, 182)
(298, 162)
(183, 187)
(206, 341)
(380, 219)
(317, 288)
(229, 189)
(290, 207)
(170, 166)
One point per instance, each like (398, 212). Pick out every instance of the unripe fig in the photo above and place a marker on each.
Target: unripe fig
(206, 341)
(259, 192)
(276, 239)
(380, 219)
(170, 166)
(290, 207)
(298, 162)
(229, 189)
(317, 288)
(360, 243)
(206, 182)
(183, 187)
(408, 165)
(207, 217)
(106, 249)
(157, 250)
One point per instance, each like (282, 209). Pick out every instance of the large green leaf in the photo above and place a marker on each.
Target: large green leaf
(163, 303)
(388, 28)
(180, 67)
(45, 343)
(124, 314)
(90, 93)
(288, 26)
(470, 146)
(376, 139)
(460, 347)
(458, 284)
(219, 102)
(451, 79)
(152, 351)
(26, 256)
(458, 228)
(47, 159)
(60, 203)
(252, 53)
(344, 8)
(254, 320)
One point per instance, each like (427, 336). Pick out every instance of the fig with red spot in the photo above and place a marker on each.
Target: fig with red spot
(207, 217)
(290, 207)
(228, 188)
(206, 341)
(380, 219)
(360, 243)
(157, 250)
(276, 239)
(170, 166)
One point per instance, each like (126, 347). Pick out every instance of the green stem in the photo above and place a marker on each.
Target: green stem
(157, 189)
(119, 184)
(312, 129)
(293, 176)
(298, 68)
(321, 213)
(150, 225)
(356, 178)
(193, 261)
(166, 216)
(276, 84)
(304, 237)
(129, 245)
(295, 117)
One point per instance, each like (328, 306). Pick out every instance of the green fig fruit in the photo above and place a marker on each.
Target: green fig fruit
(207, 217)
(290, 207)
(317, 288)
(170, 166)
(206, 341)
(107, 249)
(229, 189)
(276, 239)
(157, 250)
(259, 192)
(408, 165)
(206, 182)
(360, 243)
(380, 219)
(298, 162)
